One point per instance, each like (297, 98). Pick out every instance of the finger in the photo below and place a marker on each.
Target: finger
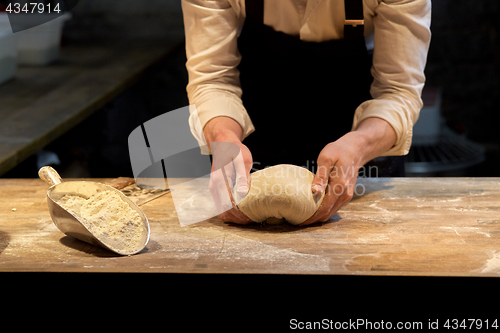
(242, 177)
(321, 178)
(245, 160)
(243, 165)
(239, 214)
(221, 209)
(333, 210)
(226, 207)
(236, 216)
(218, 190)
(338, 192)
(328, 201)
(345, 197)
(314, 217)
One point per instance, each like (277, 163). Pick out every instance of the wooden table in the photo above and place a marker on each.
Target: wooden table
(400, 226)
(42, 103)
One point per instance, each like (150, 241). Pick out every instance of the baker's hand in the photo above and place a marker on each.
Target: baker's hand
(223, 135)
(338, 164)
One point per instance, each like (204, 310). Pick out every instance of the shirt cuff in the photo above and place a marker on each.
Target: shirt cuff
(400, 122)
(217, 104)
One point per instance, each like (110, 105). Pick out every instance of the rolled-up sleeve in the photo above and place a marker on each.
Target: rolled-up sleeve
(402, 37)
(211, 29)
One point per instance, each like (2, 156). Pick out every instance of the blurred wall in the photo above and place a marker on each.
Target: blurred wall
(112, 19)
(464, 59)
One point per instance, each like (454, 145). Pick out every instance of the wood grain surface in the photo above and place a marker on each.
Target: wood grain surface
(399, 226)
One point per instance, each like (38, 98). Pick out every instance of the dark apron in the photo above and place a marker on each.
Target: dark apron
(300, 95)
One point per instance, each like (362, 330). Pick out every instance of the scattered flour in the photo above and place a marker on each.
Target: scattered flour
(492, 265)
(109, 218)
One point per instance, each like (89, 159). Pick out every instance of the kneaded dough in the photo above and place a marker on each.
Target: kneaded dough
(279, 193)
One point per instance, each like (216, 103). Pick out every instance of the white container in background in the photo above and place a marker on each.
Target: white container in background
(8, 55)
(38, 45)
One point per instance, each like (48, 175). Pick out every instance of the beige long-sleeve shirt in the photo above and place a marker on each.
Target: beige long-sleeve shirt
(398, 29)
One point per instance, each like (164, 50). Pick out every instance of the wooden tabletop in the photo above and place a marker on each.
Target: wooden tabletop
(400, 226)
(42, 103)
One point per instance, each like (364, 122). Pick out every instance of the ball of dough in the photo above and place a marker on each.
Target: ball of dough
(280, 192)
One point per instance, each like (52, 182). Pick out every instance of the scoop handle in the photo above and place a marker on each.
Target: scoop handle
(49, 175)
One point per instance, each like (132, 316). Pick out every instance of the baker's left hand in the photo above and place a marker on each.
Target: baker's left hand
(338, 164)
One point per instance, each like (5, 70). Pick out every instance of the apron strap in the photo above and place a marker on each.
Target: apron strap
(354, 19)
(354, 25)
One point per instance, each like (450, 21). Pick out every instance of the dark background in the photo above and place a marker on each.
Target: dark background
(463, 62)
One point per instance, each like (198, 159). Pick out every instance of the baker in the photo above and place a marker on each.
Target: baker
(299, 73)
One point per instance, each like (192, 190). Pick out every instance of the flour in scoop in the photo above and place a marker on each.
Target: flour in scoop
(109, 218)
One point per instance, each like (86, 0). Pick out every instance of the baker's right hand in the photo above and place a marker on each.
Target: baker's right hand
(218, 131)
